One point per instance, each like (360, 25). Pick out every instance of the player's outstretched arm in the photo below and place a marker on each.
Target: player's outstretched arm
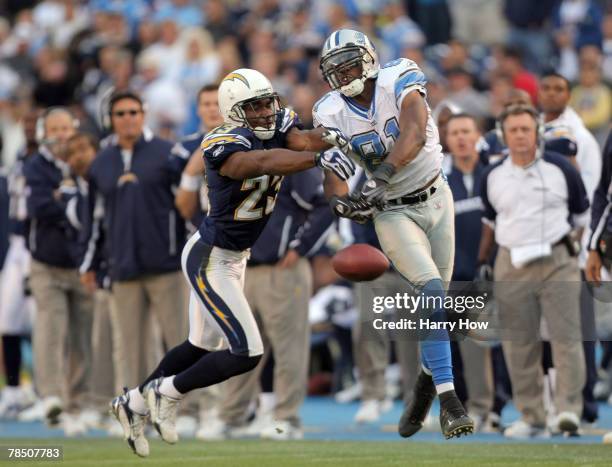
(242, 165)
(307, 140)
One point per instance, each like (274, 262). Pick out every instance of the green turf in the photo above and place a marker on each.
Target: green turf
(107, 452)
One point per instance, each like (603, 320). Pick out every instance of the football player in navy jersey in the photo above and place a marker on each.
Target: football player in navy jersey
(245, 159)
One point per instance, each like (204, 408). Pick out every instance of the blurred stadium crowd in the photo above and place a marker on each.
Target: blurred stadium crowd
(474, 53)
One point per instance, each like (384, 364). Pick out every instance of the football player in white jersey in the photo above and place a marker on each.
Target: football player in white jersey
(379, 116)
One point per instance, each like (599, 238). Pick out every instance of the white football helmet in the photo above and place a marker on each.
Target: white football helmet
(243, 88)
(344, 49)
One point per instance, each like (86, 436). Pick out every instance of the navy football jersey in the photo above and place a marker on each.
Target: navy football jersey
(239, 209)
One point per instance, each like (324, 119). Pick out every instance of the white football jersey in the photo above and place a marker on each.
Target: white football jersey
(373, 132)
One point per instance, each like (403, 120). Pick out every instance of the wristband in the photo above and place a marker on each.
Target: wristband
(190, 182)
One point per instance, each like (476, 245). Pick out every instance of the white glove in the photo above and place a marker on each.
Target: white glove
(335, 137)
(337, 162)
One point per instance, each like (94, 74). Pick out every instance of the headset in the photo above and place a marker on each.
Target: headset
(519, 109)
(40, 133)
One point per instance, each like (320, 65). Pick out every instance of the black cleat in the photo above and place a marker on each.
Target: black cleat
(414, 415)
(454, 421)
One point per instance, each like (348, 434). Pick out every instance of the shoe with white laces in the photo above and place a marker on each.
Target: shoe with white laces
(53, 408)
(568, 422)
(520, 429)
(282, 430)
(369, 411)
(132, 423)
(163, 410)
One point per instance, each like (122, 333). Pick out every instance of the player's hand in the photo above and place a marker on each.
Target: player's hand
(484, 273)
(335, 137)
(592, 270)
(355, 209)
(337, 162)
(88, 280)
(374, 190)
(289, 260)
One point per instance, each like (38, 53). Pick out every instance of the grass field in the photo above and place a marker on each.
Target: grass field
(108, 452)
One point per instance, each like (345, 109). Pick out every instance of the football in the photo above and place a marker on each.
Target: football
(360, 262)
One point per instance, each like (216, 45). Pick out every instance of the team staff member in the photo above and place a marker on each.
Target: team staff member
(191, 195)
(464, 179)
(64, 308)
(528, 199)
(132, 180)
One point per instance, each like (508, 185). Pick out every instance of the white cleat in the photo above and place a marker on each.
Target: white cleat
(520, 429)
(133, 424)
(163, 411)
(282, 430)
(369, 411)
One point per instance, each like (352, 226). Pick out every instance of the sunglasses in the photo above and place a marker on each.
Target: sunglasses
(121, 113)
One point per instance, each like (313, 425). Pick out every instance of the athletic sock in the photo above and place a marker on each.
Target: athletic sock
(136, 401)
(176, 360)
(11, 353)
(435, 346)
(167, 388)
(213, 368)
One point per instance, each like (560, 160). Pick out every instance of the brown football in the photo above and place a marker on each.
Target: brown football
(360, 262)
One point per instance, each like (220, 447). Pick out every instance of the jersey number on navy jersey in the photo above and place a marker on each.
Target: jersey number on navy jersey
(261, 200)
(372, 147)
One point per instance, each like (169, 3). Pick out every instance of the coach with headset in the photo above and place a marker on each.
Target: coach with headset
(64, 308)
(131, 181)
(533, 200)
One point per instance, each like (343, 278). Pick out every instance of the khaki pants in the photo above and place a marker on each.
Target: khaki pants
(279, 299)
(478, 375)
(133, 306)
(102, 369)
(371, 346)
(547, 288)
(62, 334)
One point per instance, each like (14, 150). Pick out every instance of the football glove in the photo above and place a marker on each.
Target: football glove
(375, 188)
(337, 162)
(335, 137)
(355, 209)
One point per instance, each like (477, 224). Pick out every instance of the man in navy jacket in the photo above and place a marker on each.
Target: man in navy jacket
(132, 181)
(64, 308)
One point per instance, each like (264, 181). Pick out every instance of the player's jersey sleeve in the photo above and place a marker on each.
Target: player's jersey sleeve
(288, 120)
(401, 77)
(222, 142)
(325, 110)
